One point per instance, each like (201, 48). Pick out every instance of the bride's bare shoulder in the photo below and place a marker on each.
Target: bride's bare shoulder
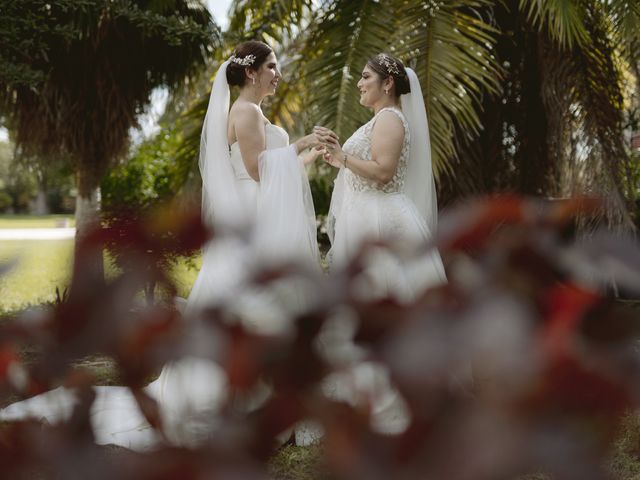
(245, 110)
(244, 117)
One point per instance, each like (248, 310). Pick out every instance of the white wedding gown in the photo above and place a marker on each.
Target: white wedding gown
(370, 211)
(191, 390)
(365, 210)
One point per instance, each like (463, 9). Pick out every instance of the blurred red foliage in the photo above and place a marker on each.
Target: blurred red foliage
(523, 361)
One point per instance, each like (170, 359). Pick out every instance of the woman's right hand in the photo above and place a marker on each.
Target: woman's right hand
(314, 152)
(327, 137)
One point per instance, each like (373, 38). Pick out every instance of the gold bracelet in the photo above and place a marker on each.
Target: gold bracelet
(345, 159)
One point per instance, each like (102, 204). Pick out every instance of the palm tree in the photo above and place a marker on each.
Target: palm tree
(556, 129)
(74, 75)
(523, 96)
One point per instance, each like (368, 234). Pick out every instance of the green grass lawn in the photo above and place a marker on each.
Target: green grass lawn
(42, 265)
(33, 221)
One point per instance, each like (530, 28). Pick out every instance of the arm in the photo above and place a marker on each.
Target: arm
(312, 143)
(310, 155)
(305, 142)
(386, 146)
(249, 129)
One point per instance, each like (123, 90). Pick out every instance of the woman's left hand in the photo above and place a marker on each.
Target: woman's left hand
(314, 152)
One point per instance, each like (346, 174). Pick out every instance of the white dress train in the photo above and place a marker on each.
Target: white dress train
(191, 390)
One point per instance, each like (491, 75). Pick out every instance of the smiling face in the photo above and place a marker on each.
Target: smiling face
(267, 76)
(371, 86)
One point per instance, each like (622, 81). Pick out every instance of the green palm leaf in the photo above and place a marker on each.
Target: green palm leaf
(625, 18)
(587, 93)
(452, 48)
(270, 20)
(562, 18)
(336, 50)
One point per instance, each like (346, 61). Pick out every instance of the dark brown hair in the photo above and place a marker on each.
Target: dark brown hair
(386, 65)
(236, 74)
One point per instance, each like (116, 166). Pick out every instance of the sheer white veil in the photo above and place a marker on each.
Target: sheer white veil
(285, 225)
(419, 184)
(222, 205)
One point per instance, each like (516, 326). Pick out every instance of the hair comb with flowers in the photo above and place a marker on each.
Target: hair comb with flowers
(389, 63)
(245, 62)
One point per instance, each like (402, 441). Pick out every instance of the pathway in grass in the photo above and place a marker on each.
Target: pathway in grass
(34, 221)
(37, 233)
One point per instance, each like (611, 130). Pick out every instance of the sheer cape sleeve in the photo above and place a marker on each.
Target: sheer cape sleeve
(285, 224)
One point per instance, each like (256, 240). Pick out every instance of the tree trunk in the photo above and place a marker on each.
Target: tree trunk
(41, 207)
(87, 219)
(533, 157)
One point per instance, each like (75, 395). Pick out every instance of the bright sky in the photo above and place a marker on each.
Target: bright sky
(219, 9)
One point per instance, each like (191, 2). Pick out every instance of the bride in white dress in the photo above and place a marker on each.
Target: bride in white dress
(385, 188)
(384, 191)
(257, 197)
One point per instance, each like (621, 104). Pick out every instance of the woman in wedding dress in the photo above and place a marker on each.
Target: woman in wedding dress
(385, 188)
(384, 191)
(257, 196)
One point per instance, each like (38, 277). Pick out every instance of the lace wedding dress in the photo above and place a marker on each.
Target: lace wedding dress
(190, 391)
(370, 211)
(365, 210)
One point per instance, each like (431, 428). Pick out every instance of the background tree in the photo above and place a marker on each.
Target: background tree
(557, 128)
(147, 183)
(75, 74)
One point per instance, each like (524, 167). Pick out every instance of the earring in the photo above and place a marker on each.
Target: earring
(386, 92)
(253, 80)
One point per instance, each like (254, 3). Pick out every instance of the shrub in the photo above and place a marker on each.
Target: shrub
(522, 362)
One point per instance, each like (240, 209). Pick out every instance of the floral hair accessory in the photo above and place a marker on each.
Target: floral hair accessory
(389, 63)
(245, 62)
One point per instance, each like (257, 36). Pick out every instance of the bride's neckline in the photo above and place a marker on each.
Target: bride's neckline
(265, 126)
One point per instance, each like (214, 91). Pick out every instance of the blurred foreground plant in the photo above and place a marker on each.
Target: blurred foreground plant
(523, 362)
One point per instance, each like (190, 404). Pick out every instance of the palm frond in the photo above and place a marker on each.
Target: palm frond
(337, 48)
(625, 18)
(269, 20)
(562, 18)
(587, 94)
(452, 49)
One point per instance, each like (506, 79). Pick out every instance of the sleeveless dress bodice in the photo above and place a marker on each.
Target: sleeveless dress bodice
(359, 145)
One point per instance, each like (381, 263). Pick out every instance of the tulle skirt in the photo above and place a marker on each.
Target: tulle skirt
(394, 269)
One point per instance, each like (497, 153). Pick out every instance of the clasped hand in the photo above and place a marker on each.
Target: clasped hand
(333, 154)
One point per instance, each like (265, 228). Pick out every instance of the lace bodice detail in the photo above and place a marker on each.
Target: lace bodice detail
(359, 145)
(275, 137)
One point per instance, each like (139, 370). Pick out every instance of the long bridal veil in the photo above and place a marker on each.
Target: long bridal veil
(222, 204)
(253, 224)
(419, 183)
